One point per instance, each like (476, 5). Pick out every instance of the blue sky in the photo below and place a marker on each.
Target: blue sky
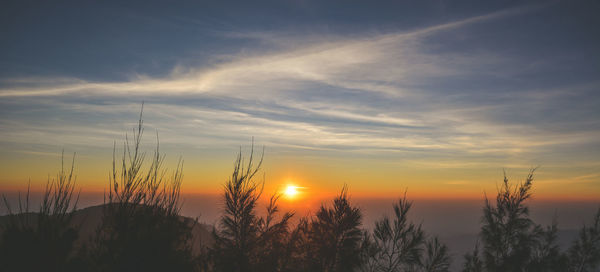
(398, 86)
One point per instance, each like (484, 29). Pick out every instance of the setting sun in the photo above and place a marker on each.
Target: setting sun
(291, 191)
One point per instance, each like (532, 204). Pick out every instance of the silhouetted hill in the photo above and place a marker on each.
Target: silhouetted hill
(88, 219)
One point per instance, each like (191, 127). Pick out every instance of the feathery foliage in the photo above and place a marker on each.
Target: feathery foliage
(508, 232)
(513, 242)
(398, 240)
(399, 245)
(584, 254)
(47, 236)
(141, 228)
(272, 247)
(436, 258)
(473, 262)
(334, 236)
(238, 234)
(246, 242)
(545, 252)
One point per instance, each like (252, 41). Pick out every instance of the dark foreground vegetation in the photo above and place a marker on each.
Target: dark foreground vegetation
(141, 229)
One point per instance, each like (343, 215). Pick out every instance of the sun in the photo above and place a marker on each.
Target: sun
(291, 191)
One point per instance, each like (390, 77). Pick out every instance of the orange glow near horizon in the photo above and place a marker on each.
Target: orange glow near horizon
(299, 180)
(293, 192)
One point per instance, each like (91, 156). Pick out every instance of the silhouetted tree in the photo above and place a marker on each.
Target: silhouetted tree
(398, 245)
(41, 241)
(334, 236)
(300, 254)
(511, 240)
(368, 253)
(436, 257)
(545, 252)
(584, 254)
(398, 240)
(244, 241)
(473, 262)
(508, 232)
(272, 250)
(238, 233)
(141, 229)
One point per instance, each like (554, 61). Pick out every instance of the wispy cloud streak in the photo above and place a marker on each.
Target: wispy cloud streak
(374, 93)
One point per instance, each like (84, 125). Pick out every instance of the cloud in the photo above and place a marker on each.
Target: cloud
(376, 63)
(375, 93)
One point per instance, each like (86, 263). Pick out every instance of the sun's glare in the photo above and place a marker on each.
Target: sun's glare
(291, 191)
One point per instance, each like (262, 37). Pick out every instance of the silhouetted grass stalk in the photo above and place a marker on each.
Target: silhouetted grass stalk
(49, 239)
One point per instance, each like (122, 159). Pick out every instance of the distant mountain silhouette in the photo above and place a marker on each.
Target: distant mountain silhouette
(88, 219)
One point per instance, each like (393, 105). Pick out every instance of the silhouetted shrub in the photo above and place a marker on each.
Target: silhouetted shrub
(41, 241)
(299, 250)
(545, 252)
(238, 234)
(437, 258)
(141, 229)
(244, 241)
(334, 236)
(397, 245)
(473, 262)
(584, 254)
(399, 242)
(508, 233)
(272, 250)
(513, 242)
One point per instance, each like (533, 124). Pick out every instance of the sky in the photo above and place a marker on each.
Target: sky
(435, 98)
